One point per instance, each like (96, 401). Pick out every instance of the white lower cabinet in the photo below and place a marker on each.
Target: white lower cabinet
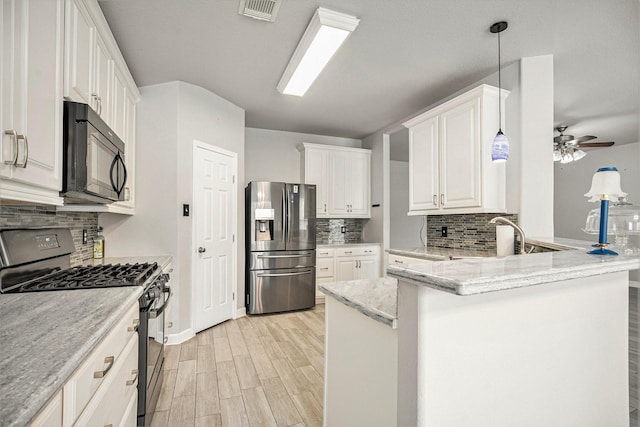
(51, 415)
(347, 262)
(101, 389)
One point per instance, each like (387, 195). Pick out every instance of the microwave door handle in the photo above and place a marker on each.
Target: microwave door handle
(113, 165)
(124, 171)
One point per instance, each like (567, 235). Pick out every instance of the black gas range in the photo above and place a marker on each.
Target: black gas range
(38, 260)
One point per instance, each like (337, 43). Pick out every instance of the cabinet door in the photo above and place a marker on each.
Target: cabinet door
(120, 102)
(368, 268)
(79, 37)
(345, 269)
(340, 178)
(32, 106)
(460, 164)
(316, 171)
(358, 187)
(423, 166)
(101, 96)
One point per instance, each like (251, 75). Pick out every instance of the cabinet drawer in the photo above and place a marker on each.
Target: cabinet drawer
(404, 261)
(324, 252)
(99, 366)
(357, 251)
(51, 415)
(324, 267)
(110, 403)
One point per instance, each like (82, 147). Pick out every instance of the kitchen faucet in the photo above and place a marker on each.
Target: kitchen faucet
(503, 220)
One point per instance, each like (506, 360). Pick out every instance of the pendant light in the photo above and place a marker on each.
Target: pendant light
(500, 146)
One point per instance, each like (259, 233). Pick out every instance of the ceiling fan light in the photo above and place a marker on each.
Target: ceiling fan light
(500, 148)
(557, 156)
(567, 158)
(578, 154)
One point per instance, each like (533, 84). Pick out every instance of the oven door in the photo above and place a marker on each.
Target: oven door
(151, 357)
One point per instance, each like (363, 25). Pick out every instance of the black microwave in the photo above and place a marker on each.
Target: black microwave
(93, 158)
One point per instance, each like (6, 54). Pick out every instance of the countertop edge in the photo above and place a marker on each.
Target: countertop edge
(507, 281)
(371, 312)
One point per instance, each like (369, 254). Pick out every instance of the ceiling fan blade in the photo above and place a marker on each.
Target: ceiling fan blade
(582, 139)
(596, 144)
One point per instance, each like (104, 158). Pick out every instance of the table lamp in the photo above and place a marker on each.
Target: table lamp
(605, 186)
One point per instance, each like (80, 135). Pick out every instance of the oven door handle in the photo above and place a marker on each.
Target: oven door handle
(154, 313)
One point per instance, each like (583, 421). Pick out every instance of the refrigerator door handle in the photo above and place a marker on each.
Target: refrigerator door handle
(286, 274)
(285, 256)
(285, 214)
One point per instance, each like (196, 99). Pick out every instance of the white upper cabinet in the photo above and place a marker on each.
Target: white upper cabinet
(450, 167)
(95, 73)
(342, 176)
(31, 116)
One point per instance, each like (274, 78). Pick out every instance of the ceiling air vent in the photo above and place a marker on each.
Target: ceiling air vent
(264, 10)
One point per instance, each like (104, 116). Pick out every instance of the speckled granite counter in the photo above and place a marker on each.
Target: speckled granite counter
(441, 254)
(375, 298)
(476, 276)
(45, 336)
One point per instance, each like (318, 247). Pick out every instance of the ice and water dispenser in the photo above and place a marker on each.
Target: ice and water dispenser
(264, 224)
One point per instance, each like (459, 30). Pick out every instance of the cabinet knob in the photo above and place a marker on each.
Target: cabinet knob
(435, 200)
(201, 250)
(133, 380)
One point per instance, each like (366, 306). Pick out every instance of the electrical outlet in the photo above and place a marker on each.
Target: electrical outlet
(185, 210)
(443, 232)
(343, 229)
(85, 235)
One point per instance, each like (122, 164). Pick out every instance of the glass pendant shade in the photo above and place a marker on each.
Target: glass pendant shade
(578, 154)
(500, 148)
(557, 156)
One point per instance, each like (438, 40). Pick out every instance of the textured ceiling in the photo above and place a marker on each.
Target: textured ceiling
(404, 56)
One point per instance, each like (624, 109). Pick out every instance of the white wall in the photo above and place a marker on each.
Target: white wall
(374, 229)
(271, 155)
(404, 230)
(573, 180)
(170, 117)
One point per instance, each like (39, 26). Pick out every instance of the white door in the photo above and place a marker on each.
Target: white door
(368, 268)
(338, 173)
(214, 229)
(423, 166)
(358, 184)
(345, 269)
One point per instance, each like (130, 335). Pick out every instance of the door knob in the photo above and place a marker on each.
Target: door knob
(201, 250)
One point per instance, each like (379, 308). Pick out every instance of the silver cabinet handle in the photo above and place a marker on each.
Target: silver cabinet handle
(442, 199)
(134, 328)
(15, 143)
(165, 340)
(94, 99)
(133, 380)
(367, 252)
(101, 374)
(201, 250)
(435, 200)
(324, 268)
(100, 105)
(398, 261)
(348, 252)
(325, 207)
(26, 151)
(169, 325)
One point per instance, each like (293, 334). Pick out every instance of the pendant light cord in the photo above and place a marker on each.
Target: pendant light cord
(499, 88)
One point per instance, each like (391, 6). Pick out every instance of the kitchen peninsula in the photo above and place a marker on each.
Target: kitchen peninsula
(536, 339)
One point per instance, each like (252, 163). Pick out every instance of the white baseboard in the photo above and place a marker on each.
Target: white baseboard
(173, 339)
(240, 312)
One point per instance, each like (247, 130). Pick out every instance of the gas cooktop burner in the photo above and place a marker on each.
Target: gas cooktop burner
(88, 277)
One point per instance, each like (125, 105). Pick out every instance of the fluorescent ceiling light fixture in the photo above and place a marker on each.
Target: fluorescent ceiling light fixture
(324, 35)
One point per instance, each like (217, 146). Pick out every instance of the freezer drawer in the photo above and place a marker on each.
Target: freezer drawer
(281, 259)
(272, 291)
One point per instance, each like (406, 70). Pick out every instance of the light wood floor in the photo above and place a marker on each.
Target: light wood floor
(259, 370)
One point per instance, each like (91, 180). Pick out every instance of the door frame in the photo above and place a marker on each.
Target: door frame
(234, 226)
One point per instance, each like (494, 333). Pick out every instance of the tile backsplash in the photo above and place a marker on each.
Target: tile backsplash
(17, 216)
(330, 230)
(464, 231)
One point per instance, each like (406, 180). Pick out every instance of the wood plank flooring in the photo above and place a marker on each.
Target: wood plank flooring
(260, 370)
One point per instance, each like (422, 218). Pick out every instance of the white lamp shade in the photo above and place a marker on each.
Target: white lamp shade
(605, 185)
(578, 154)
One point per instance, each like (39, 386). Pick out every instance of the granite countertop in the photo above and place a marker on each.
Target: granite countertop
(45, 336)
(476, 276)
(331, 245)
(375, 298)
(442, 254)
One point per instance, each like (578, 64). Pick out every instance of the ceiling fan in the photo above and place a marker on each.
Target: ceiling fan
(567, 148)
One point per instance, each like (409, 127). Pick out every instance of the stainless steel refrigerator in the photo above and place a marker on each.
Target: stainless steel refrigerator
(280, 234)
